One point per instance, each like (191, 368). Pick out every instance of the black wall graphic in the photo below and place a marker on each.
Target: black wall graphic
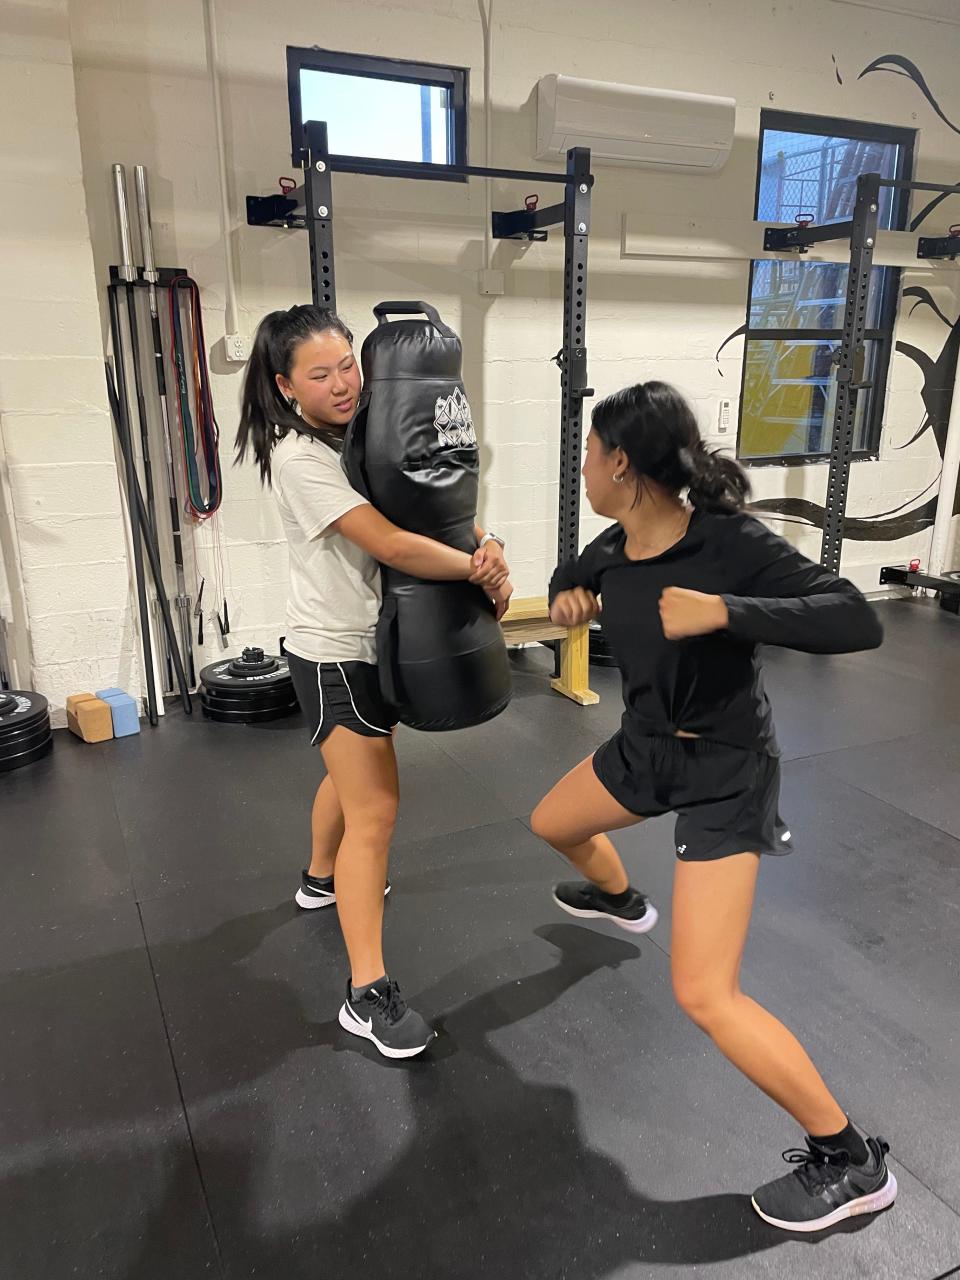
(897, 65)
(886, 528)
(939, 378)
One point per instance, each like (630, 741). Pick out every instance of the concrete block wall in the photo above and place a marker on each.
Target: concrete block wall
(63, 543)
(143, 95)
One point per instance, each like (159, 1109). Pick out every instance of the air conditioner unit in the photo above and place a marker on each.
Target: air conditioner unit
(629, 125)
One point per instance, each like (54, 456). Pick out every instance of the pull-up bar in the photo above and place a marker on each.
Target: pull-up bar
(310, 207)
(861, 230)
(806, 233)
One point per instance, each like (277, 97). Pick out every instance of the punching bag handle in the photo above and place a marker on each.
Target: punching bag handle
(383, 309)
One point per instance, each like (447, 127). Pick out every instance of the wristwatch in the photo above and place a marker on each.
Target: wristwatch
(492, 537)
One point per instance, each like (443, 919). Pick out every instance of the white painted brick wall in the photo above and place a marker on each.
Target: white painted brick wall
(143, 96)
(63, 543)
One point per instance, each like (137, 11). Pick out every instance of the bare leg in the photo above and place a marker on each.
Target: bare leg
(364, 777)
(326, 827)
(712, 902)
(572, 818)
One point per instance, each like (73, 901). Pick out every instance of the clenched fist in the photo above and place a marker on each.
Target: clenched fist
(691, 613)
(573, 608)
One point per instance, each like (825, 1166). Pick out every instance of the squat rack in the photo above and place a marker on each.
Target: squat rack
(861, 231)
(311, 207)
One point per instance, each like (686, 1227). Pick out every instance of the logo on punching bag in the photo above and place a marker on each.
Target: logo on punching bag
(454, 421)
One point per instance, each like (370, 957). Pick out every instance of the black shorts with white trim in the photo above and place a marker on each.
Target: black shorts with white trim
(341, 693)
(727, 799)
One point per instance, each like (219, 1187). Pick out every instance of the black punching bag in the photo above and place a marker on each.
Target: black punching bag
(412, 450)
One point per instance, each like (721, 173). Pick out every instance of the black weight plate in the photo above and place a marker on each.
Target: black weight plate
(7, 703)
(241, 690)
(259, 701)
(31, 709)
(264, 703)
(243, 667)
(237, 707)
(218, 676)
(233, 712)
(27, 757)
(14, 743)
(249, 717)
(600, 652)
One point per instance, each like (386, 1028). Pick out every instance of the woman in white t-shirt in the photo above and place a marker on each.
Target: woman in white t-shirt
(299, 395)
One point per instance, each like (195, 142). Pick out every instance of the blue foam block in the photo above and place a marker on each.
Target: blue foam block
(110, 693)
(123, 709)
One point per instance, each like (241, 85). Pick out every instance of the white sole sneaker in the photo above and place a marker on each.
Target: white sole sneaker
(313, 901)
(365, 1031)
(643, 925)
(866, 1204)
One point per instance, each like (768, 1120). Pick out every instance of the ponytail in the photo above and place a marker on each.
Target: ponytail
(266, 416)
(715, 483)
(656, 428)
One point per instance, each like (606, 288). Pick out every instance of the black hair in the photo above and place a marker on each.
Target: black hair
(266, 416)
(655, 427)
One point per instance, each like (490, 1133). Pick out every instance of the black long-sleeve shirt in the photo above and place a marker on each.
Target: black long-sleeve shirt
(712, 685)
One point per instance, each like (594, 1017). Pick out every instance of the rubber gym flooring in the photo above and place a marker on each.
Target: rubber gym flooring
(179, 1100)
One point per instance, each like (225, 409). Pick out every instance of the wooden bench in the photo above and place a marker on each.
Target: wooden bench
(528, 622)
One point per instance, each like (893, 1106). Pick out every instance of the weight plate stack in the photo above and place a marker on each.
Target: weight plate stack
(600, 654)
(247, 690)
(25, 732)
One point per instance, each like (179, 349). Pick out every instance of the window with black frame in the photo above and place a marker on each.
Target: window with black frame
(808, 170)
(379, 108)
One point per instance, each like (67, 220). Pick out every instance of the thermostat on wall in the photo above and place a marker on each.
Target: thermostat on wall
(725, 418)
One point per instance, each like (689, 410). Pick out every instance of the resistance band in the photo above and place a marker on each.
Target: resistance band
(204, 493)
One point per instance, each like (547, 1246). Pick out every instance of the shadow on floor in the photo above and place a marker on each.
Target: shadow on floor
(495, 1178)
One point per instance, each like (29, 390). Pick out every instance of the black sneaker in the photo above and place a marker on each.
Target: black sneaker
(382, 1015)
(581, 898)
(316, 892)
(826, 1187)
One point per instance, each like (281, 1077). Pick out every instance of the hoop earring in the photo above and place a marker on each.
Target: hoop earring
(294, 404)
(618, 479)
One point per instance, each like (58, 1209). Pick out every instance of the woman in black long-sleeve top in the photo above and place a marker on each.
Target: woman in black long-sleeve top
(689, 591)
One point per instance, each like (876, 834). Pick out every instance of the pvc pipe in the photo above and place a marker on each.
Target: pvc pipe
(230, 307)
(486, 22)
(948, 487)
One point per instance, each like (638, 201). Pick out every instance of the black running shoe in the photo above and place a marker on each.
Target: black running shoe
(382, 1015)
(826, 1187)
(581, 898)
(316, 892)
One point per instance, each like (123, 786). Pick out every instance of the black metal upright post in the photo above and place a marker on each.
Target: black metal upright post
(318, 204)
(573, 355)
(151, 548)
(131, 479)
(152, 276)
(850, 372)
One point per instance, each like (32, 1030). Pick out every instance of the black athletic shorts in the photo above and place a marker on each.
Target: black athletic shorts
(344, 693)
(726, 798)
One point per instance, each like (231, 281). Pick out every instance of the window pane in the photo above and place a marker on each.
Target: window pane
(789, 393)
(807, 295)
(380, 119)
(816, 175)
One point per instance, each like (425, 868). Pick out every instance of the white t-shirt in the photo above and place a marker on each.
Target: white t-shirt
(334, 598)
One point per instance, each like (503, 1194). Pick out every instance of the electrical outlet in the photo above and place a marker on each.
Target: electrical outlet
(235, 346)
